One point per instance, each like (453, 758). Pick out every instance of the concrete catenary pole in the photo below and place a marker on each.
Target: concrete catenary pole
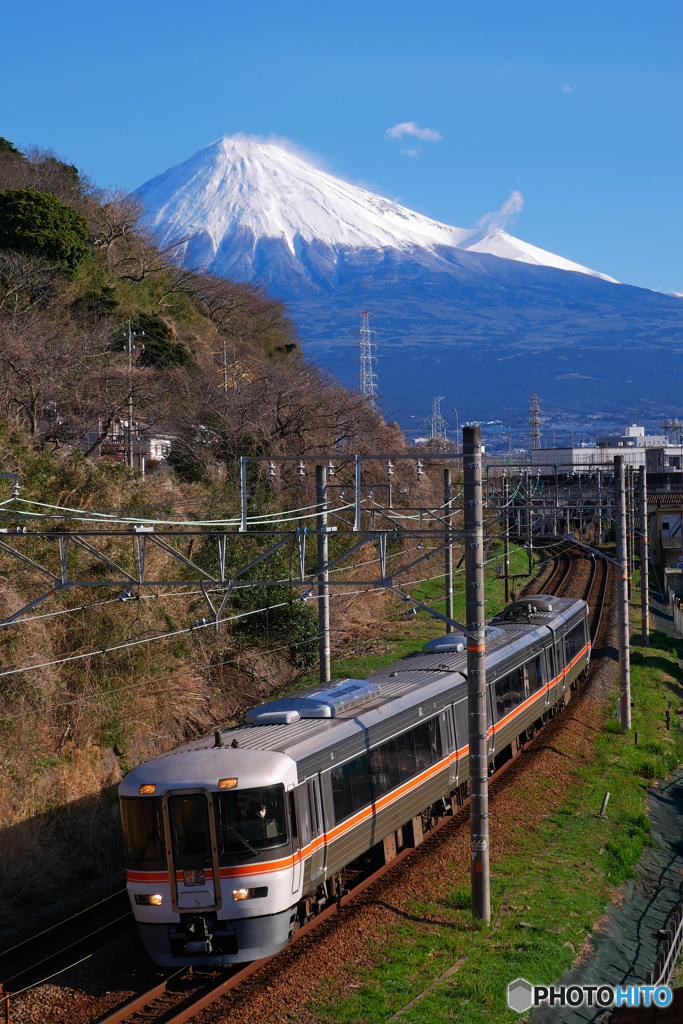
(644, 564)
(529, 524)
(629, 530)
(622, 593)
(476, 673)
(448, 550)
(323, 574)
(506, 538)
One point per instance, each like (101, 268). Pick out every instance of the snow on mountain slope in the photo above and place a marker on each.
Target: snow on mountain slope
(240, 191)
(509, 248)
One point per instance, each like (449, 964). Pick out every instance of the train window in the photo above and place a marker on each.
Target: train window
(503, 685)
(550, 655)
(574, 641)
(292, 815)
(535, 675)
(435, 739)
(406, 756)
(359, 779)
(423, 749)
(391, 756)
(252, 819)
(358, 782)
(141, 823)
(380, 774)
(314, 797)
(189, 826)
(311, 816)
(341, 793)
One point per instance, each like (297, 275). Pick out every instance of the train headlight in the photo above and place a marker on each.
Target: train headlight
(227, 783)
(148, 901)
(148, 789)
(250, 894)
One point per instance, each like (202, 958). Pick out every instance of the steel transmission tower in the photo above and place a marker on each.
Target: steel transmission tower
(535, 420)
(438, 425)
(368, 378)
(675, 427)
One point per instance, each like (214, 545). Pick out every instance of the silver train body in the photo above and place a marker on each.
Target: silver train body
(233, 840)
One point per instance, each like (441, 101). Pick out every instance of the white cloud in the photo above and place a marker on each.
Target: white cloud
(411, 152)
(413, 128)
(496, 221)
(568, 88)
(504, 69)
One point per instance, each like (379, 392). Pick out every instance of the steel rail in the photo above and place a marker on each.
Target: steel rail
(225, 985)
(60, 924)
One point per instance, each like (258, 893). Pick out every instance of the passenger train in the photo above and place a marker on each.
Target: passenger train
(234, 840)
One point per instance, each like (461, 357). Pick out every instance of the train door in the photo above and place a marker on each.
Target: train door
(560, 662)
(448, 744)
(192, 850)
(490, 726)
(462, 738)
(296, 842)
(317, 828)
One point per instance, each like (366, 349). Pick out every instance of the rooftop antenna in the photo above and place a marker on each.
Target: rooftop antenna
(535, 421)
(367, 377)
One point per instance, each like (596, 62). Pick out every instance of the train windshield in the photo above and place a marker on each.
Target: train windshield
(252, 820)
(141, 823)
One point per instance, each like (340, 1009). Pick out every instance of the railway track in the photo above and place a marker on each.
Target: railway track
(74, 940)
(152, 1007)
(183, 994)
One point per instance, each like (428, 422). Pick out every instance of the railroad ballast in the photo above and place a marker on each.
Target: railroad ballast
(234, 840)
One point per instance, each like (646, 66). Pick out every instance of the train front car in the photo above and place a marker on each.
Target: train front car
(208, 835)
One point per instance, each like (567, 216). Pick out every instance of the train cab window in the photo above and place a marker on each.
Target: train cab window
(252, 820)
(189, 827)
(141, 822)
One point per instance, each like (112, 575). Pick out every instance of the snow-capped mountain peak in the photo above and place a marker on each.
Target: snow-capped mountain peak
(241, 193)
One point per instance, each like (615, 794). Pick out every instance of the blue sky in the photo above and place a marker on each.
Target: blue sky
(576, 105)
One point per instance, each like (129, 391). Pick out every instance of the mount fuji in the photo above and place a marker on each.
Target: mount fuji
(482, 315)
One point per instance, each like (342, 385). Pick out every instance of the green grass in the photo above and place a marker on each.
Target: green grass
(557, 894)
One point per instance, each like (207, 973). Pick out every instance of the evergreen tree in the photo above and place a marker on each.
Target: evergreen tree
(37, 224)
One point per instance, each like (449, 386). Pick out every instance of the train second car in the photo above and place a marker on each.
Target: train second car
(233, 841)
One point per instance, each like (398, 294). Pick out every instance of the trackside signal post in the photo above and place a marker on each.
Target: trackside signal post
(622, 593)
(476, 672)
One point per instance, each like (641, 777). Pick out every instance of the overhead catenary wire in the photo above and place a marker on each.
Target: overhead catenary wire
(179, 632)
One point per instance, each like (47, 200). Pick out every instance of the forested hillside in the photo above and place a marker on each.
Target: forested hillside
(222, 373)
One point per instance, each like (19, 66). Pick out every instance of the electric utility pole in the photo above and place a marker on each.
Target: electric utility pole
(506, 539)
(644, 566)
(622, 593)
(324, 576)
(476, 672)
(448, 550)
(130, 336)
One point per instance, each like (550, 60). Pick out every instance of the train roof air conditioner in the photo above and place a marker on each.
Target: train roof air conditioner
(341, 696)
